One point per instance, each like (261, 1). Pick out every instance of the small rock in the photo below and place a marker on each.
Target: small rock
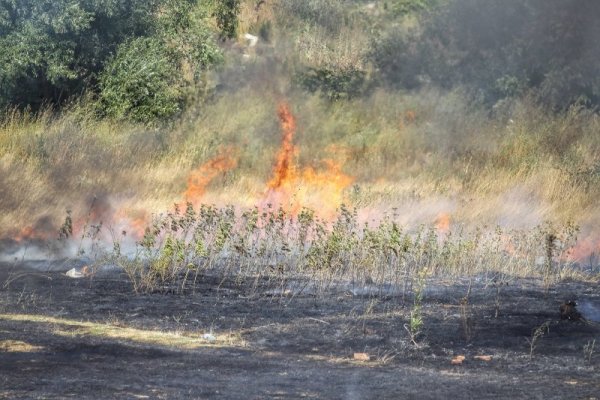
(209, 337)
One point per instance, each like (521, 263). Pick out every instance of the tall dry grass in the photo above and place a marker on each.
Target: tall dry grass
(427, 153)
(421, 155)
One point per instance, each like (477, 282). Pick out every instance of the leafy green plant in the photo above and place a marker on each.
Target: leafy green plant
(334, 84)
(52, 50)
(272, 246)
(140, 82)
(138, 55)
(416, 321)
(226, 13)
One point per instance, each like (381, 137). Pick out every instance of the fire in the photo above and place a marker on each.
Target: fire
(292, 188)
(585, 249)
(38, 231)
(285, 171)
(442, 223)
(24, 234)
(132, 222)
(199, 179)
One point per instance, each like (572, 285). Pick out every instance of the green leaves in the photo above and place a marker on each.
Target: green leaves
(142, 57)
(334, 84)
(226, 12)
(139, 83)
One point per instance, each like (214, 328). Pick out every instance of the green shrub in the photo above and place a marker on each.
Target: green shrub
(334, 84)
(226, 13)
(140, 82)
(51, 50)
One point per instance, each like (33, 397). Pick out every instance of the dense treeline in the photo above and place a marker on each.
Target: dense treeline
(139, 57)
(144, 59)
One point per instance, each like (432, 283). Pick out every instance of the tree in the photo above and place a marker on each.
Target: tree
(150, 78)
(226, 13)
(52, 50)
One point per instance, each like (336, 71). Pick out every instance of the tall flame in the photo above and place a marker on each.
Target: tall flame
(284, 170)
(294, 189)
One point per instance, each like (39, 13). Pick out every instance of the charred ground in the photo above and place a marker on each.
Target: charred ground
(68, 338)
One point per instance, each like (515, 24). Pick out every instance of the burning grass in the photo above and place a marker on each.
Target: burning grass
(426, 160)
(274, 248)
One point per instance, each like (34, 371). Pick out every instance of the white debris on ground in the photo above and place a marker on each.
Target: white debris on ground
(77, 273)
(209, 337)
(252, 40)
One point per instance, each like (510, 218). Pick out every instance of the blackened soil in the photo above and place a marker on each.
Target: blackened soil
(298, 346)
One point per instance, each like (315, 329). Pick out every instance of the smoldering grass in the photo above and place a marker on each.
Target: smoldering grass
(274, 249)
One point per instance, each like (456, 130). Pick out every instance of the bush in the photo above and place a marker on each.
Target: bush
(334, 84)
(140, 82)
(150, 78)
(140, 52)
(226, 12)
(51, 50)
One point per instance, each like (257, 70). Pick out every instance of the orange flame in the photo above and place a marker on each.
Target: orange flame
(584, 249)
(203, 175)
(32, 233)
(132, 222)
(285, 170)
(293, 189)
(442, 223)
(24, 234)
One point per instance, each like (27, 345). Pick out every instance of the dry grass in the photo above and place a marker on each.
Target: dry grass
(419, 155)
(73, 328)
(423, 155)
(17, 346)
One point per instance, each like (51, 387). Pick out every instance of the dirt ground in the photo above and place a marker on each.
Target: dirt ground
(231, 342)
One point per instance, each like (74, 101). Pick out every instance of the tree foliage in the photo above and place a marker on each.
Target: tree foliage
(52, 50)
(149, 78)
(226, 12)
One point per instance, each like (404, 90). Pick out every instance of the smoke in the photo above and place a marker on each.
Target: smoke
(499, 50)
(589, 309)
(232, 148)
